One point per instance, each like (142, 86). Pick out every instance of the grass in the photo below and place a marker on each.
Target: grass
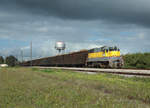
(49, 88)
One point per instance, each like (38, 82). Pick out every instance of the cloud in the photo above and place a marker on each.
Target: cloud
(116, 11)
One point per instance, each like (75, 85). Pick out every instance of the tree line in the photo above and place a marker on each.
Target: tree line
(137, 60)
(9, 60)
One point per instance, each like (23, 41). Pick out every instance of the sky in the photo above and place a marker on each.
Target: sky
(81, 24)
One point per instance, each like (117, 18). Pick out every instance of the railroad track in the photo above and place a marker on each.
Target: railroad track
(112, 71)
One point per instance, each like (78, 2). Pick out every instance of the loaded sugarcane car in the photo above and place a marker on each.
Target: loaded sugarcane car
(105, 57)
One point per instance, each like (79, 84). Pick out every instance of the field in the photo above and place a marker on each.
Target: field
(48, 88)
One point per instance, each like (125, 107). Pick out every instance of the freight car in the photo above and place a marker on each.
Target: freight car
(96, 57)
(77, 59)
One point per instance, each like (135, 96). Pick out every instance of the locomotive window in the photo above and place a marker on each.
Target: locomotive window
(111, 49)
(97, 50)
(103, 50)
(91, 51)
(115, 48)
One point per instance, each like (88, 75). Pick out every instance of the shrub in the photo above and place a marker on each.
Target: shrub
(137, 60)
(1, 60)
(11, 60)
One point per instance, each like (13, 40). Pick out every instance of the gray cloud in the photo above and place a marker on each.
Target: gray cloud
(116, 11)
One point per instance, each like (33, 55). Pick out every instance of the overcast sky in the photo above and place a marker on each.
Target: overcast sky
(81, 24)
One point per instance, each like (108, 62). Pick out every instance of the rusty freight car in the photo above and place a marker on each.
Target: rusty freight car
(72, 59)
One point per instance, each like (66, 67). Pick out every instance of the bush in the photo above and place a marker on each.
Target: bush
(11, 60)
(1, 60)
(137, 60)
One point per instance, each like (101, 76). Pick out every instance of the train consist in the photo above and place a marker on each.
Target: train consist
(105, 57)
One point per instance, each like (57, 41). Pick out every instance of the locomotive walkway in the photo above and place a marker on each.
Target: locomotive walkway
(112, 71)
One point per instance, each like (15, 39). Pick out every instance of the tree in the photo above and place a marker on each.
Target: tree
(1, 60)
(11, 60)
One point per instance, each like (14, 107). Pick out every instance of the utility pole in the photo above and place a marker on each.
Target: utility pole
(31, 54)
(16, 56)
(22, 55)
(4, 59)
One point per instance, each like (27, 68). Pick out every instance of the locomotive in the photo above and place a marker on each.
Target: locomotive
(105, 57)
(102, 57)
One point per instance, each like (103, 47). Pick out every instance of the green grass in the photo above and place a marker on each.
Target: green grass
(49, 88)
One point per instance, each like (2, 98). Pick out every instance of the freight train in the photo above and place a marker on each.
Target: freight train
(103, 57)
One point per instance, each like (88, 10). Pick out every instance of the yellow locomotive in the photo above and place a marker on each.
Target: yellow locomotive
(105, 57)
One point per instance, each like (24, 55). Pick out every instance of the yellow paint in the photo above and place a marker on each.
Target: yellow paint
(104, 54)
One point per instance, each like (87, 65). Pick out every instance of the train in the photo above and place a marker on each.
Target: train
(102, 57)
